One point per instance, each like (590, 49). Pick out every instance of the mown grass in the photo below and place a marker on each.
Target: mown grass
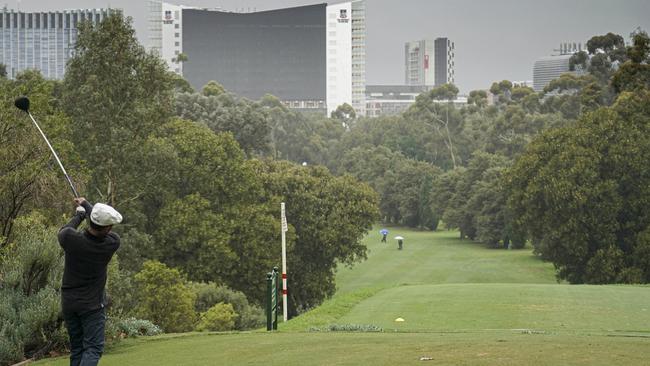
(294, 348)
(440, 257)
(463, 304)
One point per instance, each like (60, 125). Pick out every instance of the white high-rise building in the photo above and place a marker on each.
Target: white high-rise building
(41, 40)
(310, 57)
(428, 62)
(418, 63)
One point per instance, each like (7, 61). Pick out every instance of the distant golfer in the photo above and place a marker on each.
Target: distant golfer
(83, 300)
(400, 242)
(383, 232)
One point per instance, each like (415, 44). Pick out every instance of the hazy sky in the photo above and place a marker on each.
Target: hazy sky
(495, 39)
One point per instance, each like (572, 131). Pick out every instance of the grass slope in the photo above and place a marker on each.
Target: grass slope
(439, 257)
(463, 304)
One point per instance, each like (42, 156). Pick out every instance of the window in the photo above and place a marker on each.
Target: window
(176, 25)
(177, 44)
(177, 35)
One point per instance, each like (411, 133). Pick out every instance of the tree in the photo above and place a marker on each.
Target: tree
(634, 74)
(502, 91)
(428, 109)
(344, 113)
(578, 61)
(190, 167)
(116, 94)
(165, 298)
(521, 92)
(195, 239)
(181, 85)
(579, 192)
(223, 112)
(403, 184)
(28, 177)
(606, 43)
(181, 57)
(444, 92)
(328, 216)
(3, 71)
(300, 137)
(465, 205)
(478, 98)
(213, 89)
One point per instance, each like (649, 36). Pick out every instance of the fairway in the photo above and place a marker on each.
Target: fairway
(462, 304)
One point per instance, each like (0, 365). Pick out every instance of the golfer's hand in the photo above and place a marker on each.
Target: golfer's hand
(79, 201)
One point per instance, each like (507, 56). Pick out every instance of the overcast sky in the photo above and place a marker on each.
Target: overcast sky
(495, 39)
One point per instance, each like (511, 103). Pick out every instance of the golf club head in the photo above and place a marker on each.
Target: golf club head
(22, 103)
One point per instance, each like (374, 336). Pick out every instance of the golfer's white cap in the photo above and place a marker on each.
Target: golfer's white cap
(105, 215)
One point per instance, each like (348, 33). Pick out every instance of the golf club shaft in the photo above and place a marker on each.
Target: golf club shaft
(74, 191)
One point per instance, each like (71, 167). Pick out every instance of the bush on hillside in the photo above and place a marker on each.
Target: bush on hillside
(30, 279)
(165, 298)
(209, 294)
(129, 328)
(120, 288)
(220, 317)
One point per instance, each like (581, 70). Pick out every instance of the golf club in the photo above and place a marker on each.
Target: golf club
(22, 103)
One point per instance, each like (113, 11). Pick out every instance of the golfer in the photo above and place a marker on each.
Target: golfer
(83, 300)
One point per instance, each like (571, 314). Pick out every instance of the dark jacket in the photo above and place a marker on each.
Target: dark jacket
(86, 262)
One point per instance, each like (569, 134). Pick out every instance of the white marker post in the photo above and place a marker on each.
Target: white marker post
(284, 262)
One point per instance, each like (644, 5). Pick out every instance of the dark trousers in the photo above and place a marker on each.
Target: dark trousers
(86, 331)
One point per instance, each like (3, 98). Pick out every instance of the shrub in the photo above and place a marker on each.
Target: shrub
(30, 278)
(220, 317)
(120, 288)
(209, 294)
(349, 328)
(131, 327)
(165, 298)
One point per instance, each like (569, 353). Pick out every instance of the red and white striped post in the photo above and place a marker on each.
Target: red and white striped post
(284, 262)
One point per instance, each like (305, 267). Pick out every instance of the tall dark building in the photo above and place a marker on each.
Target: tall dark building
(310, 57)
(444, 61)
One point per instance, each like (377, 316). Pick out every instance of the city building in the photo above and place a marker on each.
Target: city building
(310, 57)
(418, 63)
(429, 62)
(43, 41)
(444, 61)
(390, 100)
(549, 68)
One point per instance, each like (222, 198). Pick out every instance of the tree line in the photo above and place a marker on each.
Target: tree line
(200, 194)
